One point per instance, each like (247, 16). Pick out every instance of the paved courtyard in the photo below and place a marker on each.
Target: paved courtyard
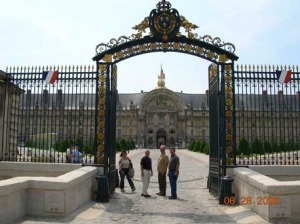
(194, 203)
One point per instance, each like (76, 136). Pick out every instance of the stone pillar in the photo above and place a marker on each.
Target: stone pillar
(9, 111)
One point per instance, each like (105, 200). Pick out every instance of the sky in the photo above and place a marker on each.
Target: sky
(66, 32)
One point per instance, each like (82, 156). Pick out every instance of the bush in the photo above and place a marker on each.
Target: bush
(118, 146)
(192, 145)
(202, 146)
(267, 147)
(87, 149)
(244, 147)
(275, 147)
(257, 147)
(197, 146)
(206, 149)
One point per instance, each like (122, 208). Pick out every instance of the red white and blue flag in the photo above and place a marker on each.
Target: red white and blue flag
(284, 76)
(50, 76)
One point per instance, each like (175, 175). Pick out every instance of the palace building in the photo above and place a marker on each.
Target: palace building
(162, 116)
(66, 112)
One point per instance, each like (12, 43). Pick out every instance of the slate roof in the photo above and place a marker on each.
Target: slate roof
(197, 101)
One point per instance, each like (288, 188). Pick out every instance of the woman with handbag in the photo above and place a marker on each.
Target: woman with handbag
(124, 166)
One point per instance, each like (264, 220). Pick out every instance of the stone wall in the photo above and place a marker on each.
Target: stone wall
(275, 201)
(9, 109)
(46, 196)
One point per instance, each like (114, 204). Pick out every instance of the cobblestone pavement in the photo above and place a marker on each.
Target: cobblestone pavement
(194, 203)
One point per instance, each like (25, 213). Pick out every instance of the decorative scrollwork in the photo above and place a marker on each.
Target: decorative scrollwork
(218, 42)
(164, 24)
(114, 42)
(141, 27)
(188, 26)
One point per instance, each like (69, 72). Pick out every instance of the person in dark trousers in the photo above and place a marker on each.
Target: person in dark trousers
(146, 172)
(77, 154)
(124, 165)
(173, 173)
(162, 167)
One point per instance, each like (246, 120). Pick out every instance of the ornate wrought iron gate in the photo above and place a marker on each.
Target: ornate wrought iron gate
(60, 110)
(164, 24)
(214, 123)
(222, 120)
(106, 120)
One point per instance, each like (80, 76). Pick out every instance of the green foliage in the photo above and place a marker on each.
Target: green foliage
(132, 144)
(257, 147)
(202, 146)
(275, 147)
(283, 146)
(192, 145)
(267, 147)
(123, 145)
(118, 146)
(87, 149)
(244, 147)
(63, 145)
(79, 141)
(206, 149)
(197, 146)
(29, 144)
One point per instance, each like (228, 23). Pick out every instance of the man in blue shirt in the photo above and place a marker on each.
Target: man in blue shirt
(77, 154)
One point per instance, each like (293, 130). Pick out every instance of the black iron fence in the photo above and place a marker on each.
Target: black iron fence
(54, 117)
(50, 118)
(267, 116)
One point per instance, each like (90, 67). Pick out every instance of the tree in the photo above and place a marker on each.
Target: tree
(118, 146)
(124, 145)
(267, 147)
(244, 147)
(257, 147)
(275, 147)
(132, 144)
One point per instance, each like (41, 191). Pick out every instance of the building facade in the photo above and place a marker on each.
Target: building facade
(58, 113)
(162, 116)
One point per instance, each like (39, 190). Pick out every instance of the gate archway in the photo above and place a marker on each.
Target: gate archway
(164, 24)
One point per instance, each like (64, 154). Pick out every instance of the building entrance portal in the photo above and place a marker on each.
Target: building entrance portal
(161, 137)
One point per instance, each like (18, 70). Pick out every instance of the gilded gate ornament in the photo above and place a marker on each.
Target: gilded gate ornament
(164, 22)
(141, 28)
(188, 26)
(160, 31)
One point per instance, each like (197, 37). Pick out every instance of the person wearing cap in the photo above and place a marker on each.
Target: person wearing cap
(77, 154)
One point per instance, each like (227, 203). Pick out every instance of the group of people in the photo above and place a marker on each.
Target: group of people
(165, 166)
(73, 154)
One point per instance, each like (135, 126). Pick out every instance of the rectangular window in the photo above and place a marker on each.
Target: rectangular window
(150, 119)
(172, 120)
(161, 119)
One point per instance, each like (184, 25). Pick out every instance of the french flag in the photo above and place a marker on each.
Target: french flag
(50, 76)
(284, 76)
